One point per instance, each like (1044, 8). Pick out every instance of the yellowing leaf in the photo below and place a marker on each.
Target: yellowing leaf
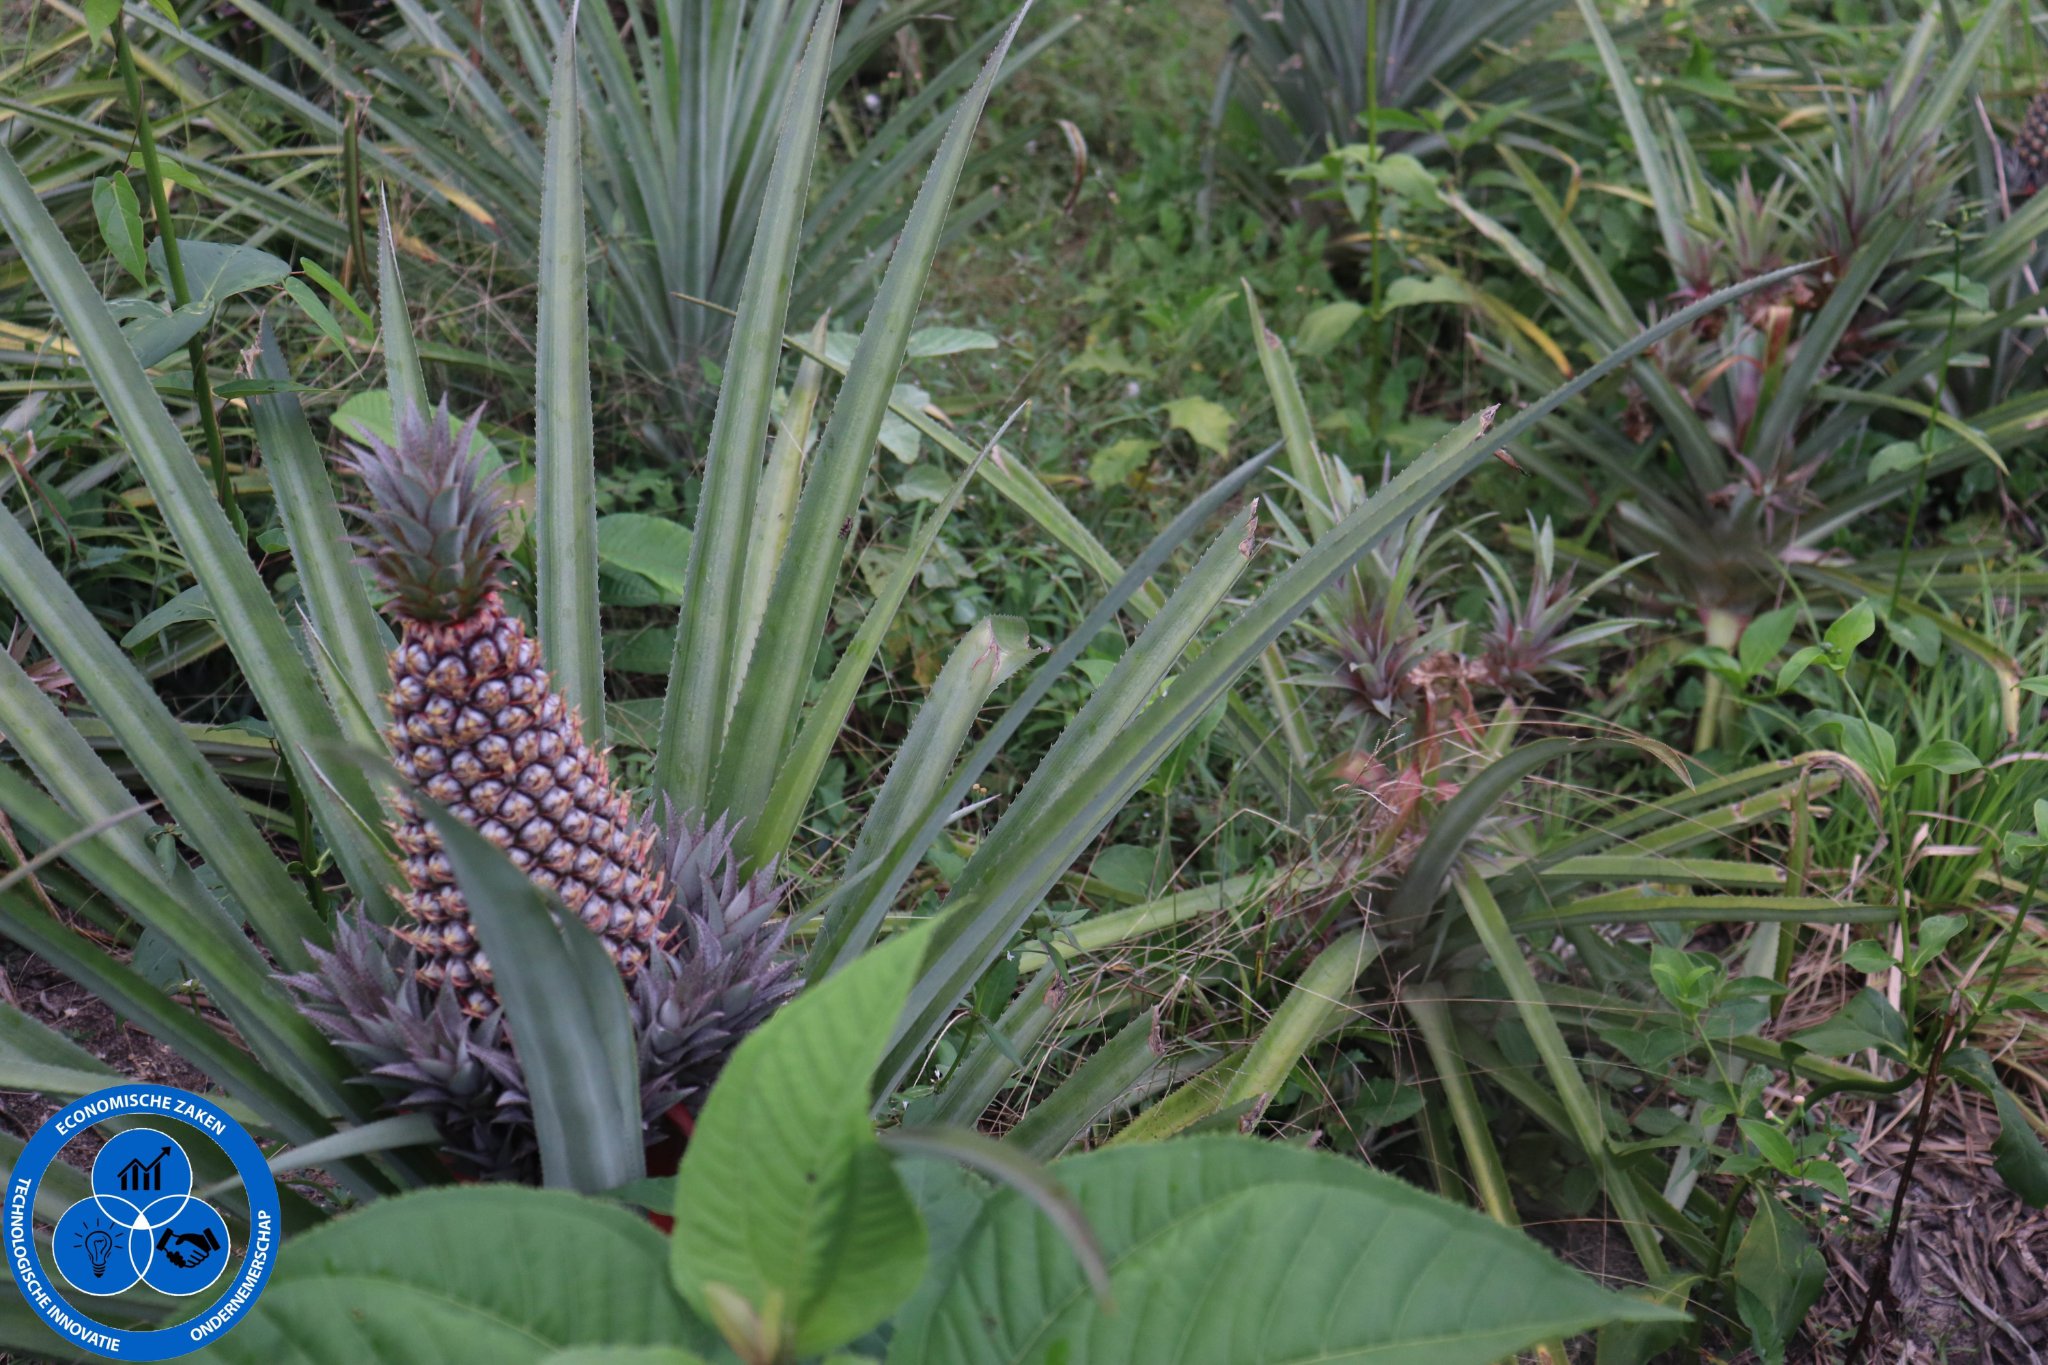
(1119, 460)
(1205, 420)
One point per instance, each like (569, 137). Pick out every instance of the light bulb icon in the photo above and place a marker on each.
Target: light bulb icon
(98, 1246)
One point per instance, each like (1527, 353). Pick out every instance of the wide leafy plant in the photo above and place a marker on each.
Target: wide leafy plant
(798, 1232)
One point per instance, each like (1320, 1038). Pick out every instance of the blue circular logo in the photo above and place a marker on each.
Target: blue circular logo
(149, 1222)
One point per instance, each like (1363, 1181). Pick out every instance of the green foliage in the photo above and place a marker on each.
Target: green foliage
(1169, 899)
(795, 1234)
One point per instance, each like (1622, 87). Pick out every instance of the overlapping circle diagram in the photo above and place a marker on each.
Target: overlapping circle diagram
(142, 1224)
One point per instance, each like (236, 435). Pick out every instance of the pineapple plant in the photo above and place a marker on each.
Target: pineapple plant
(477, 727)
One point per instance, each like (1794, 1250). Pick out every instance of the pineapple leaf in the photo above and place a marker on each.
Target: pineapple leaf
(565, 528)
(562, 1000)
(780, 666)
(708, 644)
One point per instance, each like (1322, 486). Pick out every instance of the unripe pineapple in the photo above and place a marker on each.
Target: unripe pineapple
(2026, 158)
(475, 723)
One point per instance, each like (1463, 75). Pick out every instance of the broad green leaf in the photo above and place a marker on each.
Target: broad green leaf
(1945, 756)
(1852, 628)
(1867, 1021)
(937, 341)
(1770, 1144)
(100, 16)
(406, 1282)
(120, 219)
(1413, 290)
(2016, 1153)
(1237, 1252)
(1918, 635)
(214, 273)
(1778, 1275)
(1895, 458)
(784, 1199)
(1204, 419)
(1936, 933)
(1004, 1164)
(159, 330)
(363, 415)
(1765, 638)
(1796, 666)
(565, 520)
(653, 547)
(1324, 327)
(565, 1003)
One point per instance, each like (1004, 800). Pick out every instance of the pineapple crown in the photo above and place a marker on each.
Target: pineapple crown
(435, 515)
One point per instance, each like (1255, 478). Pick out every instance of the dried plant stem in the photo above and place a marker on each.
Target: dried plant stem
(1881, 1269)
(174, 276)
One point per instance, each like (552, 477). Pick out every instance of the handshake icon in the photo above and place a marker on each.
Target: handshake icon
(187, 1249)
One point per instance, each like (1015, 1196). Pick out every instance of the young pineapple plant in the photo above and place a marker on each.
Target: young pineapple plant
(477, 727)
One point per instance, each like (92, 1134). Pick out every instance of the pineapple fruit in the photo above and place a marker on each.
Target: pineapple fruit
(477, 727)
(475, 724)
(2026, 157)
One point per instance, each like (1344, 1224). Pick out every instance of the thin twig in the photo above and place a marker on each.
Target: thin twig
(1881, 1270)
